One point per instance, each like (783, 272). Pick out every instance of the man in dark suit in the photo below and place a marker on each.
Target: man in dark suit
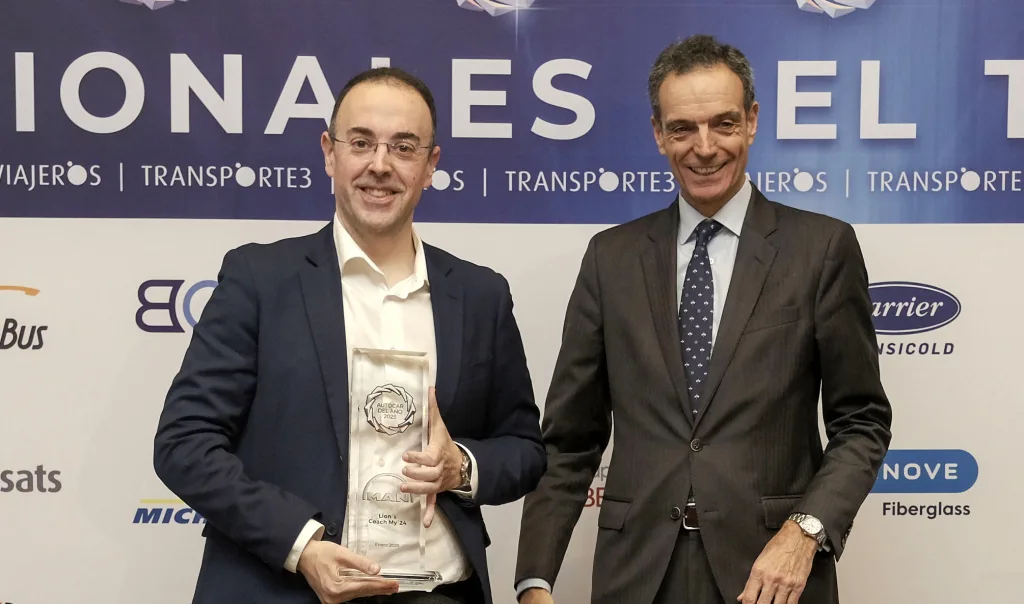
(707, 330)
(255, 433)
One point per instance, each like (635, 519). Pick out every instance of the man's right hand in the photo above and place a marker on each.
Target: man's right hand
(322, 563)
(536, 595)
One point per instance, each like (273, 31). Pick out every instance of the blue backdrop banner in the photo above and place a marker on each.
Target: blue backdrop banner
(897, 111)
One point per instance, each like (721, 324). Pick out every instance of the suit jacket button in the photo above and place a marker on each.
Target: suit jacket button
(696, 445)
(332, 529)
(676, 513)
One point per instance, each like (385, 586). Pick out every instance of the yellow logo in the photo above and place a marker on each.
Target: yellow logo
(28, 291)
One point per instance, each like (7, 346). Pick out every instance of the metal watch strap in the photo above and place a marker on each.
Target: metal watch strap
(464, 472)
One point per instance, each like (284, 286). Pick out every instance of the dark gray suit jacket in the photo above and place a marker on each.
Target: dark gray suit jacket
(797, 319)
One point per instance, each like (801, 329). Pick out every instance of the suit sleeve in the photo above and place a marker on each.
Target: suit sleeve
(510, 461)
(577, 426)
(856, 412)
(204, 415)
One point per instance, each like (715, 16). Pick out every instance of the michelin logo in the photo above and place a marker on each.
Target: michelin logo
(152, 4)
(496, 8)
(834, 9)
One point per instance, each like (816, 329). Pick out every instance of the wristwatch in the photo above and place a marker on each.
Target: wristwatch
(811, 527)
(465, 473)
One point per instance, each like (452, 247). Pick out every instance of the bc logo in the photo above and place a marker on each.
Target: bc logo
(169, 305)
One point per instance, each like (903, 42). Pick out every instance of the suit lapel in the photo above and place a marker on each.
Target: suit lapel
(446, 302)
(321, 291)
(659, 261)
(754, 258)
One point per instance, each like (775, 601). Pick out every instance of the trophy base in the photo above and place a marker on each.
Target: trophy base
(407, 580)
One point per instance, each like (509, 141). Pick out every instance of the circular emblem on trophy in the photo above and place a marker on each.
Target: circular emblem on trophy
(390, 409)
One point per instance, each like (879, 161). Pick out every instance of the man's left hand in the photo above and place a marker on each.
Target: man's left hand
(440, 464)
(780, 573)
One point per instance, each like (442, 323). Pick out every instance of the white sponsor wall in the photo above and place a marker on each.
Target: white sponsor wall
(84, 407)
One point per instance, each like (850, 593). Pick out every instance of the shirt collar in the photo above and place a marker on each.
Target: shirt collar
(731, 215)
(349, 251)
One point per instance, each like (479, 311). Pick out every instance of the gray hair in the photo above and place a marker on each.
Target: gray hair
(699, 52)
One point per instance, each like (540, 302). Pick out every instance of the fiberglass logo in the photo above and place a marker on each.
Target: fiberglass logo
(495, 8)
(927, 471)
(834, 8)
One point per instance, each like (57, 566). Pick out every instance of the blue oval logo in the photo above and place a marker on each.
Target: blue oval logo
(926, 471)
(902, 307)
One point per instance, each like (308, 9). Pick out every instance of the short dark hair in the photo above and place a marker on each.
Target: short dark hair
(390, 75)
(698, 52)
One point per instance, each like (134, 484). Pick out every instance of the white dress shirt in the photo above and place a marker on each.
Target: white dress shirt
(398, 317)
(721, 249)
(721, 252)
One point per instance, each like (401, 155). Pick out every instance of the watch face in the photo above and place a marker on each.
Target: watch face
(811, 525)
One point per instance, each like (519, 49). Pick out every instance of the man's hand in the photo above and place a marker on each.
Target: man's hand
(322, 564)
(536, 595)
(780, 572)
(440, 464)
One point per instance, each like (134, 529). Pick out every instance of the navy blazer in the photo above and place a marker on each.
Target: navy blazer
(254, 429)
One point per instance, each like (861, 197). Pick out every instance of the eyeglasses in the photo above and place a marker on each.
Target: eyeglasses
(363, 147)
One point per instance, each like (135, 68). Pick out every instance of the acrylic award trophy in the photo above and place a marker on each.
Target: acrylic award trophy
(388, 407)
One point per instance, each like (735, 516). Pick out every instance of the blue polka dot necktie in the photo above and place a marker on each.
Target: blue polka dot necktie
(696, 314)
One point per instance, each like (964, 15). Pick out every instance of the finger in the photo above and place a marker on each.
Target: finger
(421, 488)
(794, 597)
(428, 516)
(435, 425)
(431, 456)
(431, 408)
(349, 559)
(368, 587)
(750, 590)
(422, 473)
(768, 589)
(782, 595)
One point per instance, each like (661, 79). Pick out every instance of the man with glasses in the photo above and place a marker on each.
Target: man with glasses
(255, 432)
(706, 331)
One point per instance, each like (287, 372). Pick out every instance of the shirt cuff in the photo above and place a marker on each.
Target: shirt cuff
(312, 530)
(474, 479)
(528, 583)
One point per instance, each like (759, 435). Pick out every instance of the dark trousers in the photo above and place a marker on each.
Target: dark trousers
(688, 579)
(449, 593)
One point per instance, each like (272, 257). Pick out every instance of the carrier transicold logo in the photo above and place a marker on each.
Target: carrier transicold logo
(834, 8)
